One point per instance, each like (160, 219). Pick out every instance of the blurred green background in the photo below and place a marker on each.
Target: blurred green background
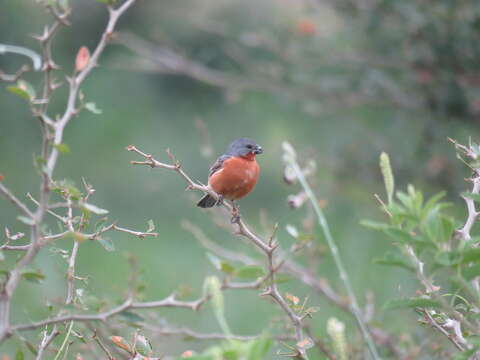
(346, 82)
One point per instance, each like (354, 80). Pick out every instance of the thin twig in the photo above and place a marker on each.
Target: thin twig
(15, 201)
(102, 346)
(437, 326)
(46, 341)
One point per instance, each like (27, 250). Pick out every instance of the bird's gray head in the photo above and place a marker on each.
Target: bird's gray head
(244, 146)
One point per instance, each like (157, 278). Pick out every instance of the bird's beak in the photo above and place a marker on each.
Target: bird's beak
(258, 150)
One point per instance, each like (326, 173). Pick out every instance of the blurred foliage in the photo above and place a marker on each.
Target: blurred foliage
(349, 80)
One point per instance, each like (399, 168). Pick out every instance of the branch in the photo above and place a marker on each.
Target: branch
(268, 249)
(49, 150)
(15, 201)
(76, 81)
(128, 304)
(46, 341)
(289, 266)
(14, 77)
(432, 322)
(465, 230)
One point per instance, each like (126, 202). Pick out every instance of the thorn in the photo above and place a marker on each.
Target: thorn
(266, 293)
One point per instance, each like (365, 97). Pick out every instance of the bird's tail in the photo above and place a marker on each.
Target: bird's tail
(207, 201)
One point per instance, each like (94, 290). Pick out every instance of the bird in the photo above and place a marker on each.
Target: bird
(233, 175)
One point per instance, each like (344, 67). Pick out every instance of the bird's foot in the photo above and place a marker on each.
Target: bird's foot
(235, 219)
(235, 214)
(220, 200)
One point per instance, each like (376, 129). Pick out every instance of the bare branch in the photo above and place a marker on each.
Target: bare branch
(50, 153)
(46, 341)
(267, 249)
(128, 304)
(441, 329)
(15, 201)
(465, 231)
(14, 77)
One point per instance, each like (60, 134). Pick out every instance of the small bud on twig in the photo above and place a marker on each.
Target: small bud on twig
(83, 58)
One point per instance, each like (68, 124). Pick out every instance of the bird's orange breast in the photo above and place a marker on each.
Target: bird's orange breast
(236, 178)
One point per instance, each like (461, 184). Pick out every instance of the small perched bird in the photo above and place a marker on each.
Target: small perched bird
(234, 174)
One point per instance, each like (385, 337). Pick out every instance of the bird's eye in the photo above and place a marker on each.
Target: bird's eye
(249, 146)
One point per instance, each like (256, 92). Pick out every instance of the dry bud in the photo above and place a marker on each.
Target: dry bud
(121, 343)
(83, 58)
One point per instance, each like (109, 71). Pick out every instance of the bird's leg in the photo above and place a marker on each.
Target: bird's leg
(235, 213)
(220, 200)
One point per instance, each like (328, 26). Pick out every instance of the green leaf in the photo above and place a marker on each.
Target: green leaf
(227, 268)
(34, 277)
(400, 235)
(100, 223)
(387, 173)
(448, 258)
(411, 303)
(94, 209)
(471, 272)
(19, 92)
(249, 272)
(213, 287)
(220, 264)
(19, 355)
(375, 225)
(107, 244)
(471, 255)
(394, 259)
(92, 107)
(474, 197)
(63, 148)
(26, 86)
(26, 220)
(433, 201)
(466, 355)
(23, 89)
(259, 348)
(143, 346)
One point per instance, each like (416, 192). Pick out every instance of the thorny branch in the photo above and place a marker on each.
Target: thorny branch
(52, 137)
(432, 322)
(464, 232)
(46, 340)
(170, 301)
(267, 248)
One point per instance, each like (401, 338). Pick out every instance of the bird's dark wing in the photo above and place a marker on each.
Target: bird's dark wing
(218, 164)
